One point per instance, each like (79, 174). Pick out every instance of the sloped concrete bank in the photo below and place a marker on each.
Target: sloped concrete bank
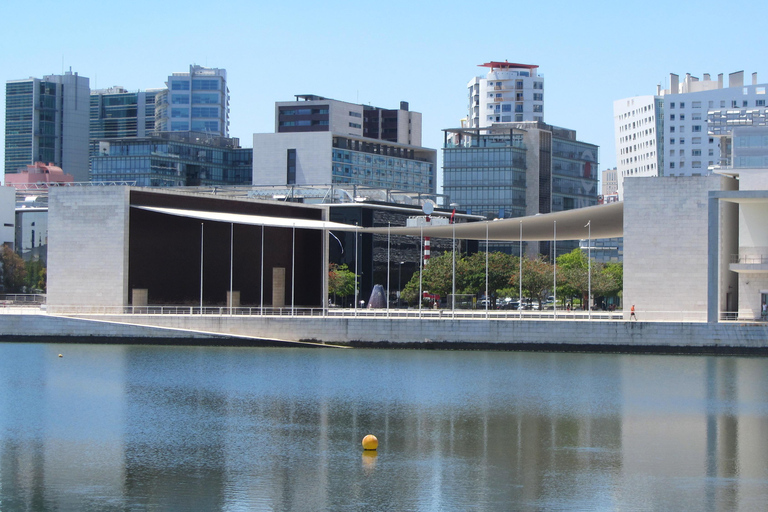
(551, 335)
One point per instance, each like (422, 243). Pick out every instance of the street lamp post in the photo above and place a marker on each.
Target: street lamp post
(589, 269)
(400, 283)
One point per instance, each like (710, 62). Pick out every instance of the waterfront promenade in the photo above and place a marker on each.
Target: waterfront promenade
(569, 331)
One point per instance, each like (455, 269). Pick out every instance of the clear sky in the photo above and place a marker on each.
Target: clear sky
(424, 52)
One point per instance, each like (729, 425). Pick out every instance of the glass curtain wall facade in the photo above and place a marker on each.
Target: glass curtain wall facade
(173, 161)
(195, 101)
(373, 164)
(30, 123)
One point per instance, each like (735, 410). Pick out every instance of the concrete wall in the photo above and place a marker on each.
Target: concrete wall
(7, 215)
(88, 246)
(666, 243)
(313, 157)
(538, 334)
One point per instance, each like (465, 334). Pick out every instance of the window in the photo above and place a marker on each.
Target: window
(518, 117)
(672, 140)
(506, 108)
(355, 125)
(696, 104)
(696, 152)
(711, 152)
(354, 114)
(759, 90)
(506, 119)
(759, 103)
(291, 167)
(672, 105)
(200, 84)
(696, 117)
(671, 165)
(682, 129)
(180, 99)
(682, 117)
(537, 96)
(179, 112)
(682, 140)
(722, 103)
(519, 84)
(538, 108)
(734, 104)
(696, 140)
(519, 107)
(744, 103)
(519, 96)
(682, 104)
(671, 117)
(540, 85)
(696, 164)
(178, 85)
(671, 129)
(711, 104)
(696, 128)
(206, 98)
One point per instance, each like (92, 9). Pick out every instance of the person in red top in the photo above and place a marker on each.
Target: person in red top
(632, 313)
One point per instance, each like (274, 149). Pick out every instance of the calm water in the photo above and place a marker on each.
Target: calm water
(162, 428)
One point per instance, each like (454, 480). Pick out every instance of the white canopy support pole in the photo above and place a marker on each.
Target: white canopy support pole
(356, 236)
(389, 261)
(421, 267)
(589, 269)
(293, 268)
(202, 233)
(261, 300)
(231, 260)
(554, 272)
(453, 273)
(520, 300)
(487, 300)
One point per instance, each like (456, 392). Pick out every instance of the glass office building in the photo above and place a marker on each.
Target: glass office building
(195, 101)
(173, 160)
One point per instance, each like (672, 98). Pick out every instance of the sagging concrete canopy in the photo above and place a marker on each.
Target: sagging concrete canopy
(605, 221)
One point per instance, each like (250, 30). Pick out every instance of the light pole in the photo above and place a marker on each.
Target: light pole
(453, 251)
(399, 283)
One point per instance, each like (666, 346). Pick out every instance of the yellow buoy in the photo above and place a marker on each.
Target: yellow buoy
(61, 355)
(370, 442)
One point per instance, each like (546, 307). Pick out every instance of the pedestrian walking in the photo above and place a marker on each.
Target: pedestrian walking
(632, 313)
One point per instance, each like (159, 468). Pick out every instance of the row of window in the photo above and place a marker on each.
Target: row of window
(198, 84)
(196, 112)
(694, 140)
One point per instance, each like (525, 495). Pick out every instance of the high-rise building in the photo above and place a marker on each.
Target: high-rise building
(508, 93)
(196, 101)
(609, 185)
(46, 120)
(118, 113)
(320, 141)
(667, 134)
(517, 169)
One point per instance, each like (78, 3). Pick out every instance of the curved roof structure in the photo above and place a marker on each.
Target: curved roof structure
(606, 221)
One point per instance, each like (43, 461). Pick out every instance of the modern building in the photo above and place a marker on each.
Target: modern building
(46, 120)
(7, 216)
(518, 169)
(312, 113)
(508, 93)
(667, 134)
(319, 141)
(609, 184)
(118, 113)
(173, 159)
(196, 101)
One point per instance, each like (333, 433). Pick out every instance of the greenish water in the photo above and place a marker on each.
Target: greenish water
(124, 428)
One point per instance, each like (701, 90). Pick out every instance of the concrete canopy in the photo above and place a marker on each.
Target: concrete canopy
(606, 221)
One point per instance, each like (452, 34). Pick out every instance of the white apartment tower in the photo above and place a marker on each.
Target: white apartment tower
(671, 133)
(508, 93)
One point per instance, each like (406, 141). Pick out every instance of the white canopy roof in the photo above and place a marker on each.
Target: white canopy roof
(606, 221)
(255, 220)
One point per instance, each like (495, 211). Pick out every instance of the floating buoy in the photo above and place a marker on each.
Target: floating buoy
(370, 442)
(61, 355)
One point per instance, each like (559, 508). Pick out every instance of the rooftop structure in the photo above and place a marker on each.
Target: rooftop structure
(508, 93)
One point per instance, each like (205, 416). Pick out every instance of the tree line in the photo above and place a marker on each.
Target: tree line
(19, 276)
(504, 273)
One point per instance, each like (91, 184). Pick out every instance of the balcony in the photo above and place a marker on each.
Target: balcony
(749, 264)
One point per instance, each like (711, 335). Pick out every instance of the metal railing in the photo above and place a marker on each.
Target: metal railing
(757, 259)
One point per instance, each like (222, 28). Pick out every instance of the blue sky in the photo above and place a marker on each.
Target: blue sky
(590, 53)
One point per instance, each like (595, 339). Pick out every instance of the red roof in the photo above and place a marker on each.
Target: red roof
(505, 64)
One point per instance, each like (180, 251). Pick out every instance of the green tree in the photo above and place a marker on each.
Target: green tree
(14, 270)
(537, 278)
(36, 276)
(500, 268)
(341, 281)
(437, 278)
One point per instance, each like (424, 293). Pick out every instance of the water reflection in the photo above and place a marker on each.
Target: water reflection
(169, 428)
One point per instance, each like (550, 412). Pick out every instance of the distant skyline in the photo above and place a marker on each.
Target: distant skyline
(591, 53)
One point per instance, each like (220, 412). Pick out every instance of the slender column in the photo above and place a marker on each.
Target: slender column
(202, 232)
